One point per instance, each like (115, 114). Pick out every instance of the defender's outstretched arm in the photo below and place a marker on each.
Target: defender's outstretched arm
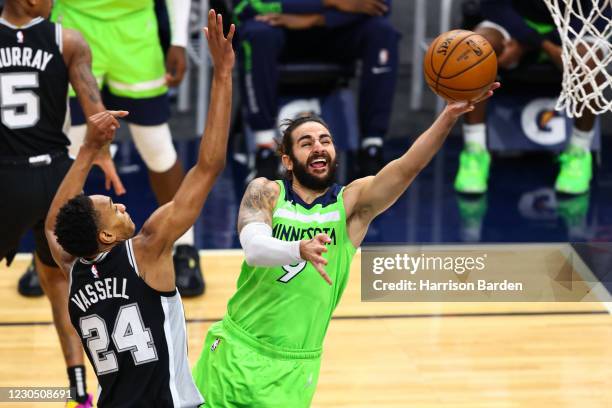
(171, 220)
(77, 57)
(101, 130)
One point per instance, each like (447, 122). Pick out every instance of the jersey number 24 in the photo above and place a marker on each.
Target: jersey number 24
(129, 334)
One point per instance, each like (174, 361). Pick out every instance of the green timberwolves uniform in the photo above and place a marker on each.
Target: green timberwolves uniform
(266, 351)
(122, 34)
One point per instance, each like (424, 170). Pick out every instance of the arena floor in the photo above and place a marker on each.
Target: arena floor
(394, 354)
(379, 354)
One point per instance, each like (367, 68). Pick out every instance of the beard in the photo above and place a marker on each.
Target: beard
(310, 181)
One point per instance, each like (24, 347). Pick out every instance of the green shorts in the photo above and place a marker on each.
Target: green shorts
(127, 55)
(236, 370)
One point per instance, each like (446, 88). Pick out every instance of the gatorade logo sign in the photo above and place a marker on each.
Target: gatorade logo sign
(541, 123)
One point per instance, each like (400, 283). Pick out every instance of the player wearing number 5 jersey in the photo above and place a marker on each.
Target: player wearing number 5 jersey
(299, 237)
(37, 61)
(123, 300)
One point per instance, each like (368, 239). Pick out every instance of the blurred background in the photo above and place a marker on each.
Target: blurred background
(520, 205)
(489, 354)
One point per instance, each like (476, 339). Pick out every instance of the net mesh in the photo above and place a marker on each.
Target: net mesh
(585, 28)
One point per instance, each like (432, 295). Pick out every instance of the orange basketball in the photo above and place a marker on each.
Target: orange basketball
(460, 65)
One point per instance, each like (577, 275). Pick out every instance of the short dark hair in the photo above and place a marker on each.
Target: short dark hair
(286, 143)
(76, 227)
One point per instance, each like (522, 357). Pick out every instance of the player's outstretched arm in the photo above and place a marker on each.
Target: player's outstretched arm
(370, 196)
(77, 57)
(101, 130)
(171, 220)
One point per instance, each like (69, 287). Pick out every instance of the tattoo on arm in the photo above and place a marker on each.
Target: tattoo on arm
(88, 85)
(81, 77)
(257, 204)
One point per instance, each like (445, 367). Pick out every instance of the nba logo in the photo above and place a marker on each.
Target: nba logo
(20, 37)
(94, 271)
(383, 57)
(215, 344)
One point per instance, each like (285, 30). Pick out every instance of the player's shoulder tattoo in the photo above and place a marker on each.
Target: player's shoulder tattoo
(261, 193)
(258, 202)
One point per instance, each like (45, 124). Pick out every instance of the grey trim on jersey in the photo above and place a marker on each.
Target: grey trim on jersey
(59, 39)
(32, 22)
(67, 119)
(131, 256)
(98, 258)
(70, 274)
(182, 388)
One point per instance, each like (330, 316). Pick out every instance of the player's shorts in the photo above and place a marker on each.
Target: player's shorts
(237, 370)
(27, 192)
(127, 55)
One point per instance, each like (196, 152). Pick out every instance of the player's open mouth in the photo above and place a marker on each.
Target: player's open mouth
(319, 163)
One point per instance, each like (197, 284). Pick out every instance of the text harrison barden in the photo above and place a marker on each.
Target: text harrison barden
(425, 285)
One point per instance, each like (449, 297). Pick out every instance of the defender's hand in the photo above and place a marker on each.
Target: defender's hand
(176, 64)
(371, 7)
(101, 128)
(312, 251)
(106, 164)
(220, 47)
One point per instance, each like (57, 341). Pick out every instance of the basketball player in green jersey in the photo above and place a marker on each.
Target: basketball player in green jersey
(299, 236)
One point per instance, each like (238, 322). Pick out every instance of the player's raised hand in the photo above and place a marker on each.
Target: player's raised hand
(220, 47)
(312, 251)
(458, 108)
(101, 128)
(104, 160)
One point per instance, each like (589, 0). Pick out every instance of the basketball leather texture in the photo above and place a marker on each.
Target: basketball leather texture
(460, 65)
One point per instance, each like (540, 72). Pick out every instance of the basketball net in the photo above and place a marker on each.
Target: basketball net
(580, 90)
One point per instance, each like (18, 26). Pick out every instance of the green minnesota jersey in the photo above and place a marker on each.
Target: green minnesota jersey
(290, 306)
(107, 9)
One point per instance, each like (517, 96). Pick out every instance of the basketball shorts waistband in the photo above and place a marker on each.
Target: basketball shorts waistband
(267, 349)
(39, 160)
